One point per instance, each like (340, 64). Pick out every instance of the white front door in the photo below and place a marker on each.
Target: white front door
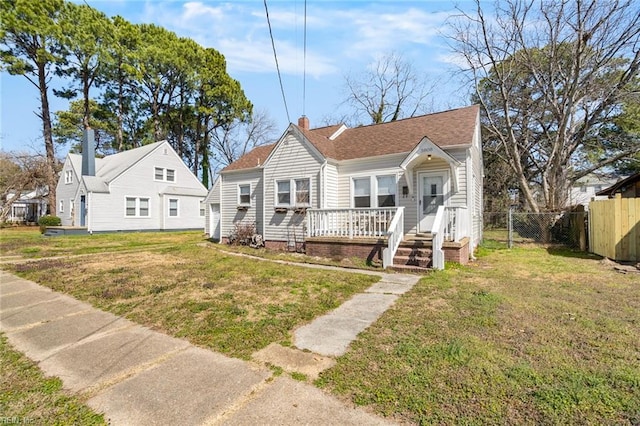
(433, 191)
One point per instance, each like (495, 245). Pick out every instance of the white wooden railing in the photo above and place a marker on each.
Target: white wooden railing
(437, 233)
(350, 223)
(455, 223)
(395, 235)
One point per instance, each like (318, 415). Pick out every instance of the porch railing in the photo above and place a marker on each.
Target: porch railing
(350, 223)
(395, 236)
(437, 233)
(455, 223)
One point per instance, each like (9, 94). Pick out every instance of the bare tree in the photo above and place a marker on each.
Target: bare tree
(389, 90)
(20, 172)
(550, 76)
(230, 142)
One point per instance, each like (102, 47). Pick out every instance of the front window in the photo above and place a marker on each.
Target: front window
(362, 192)
(284, 193)
(302, 192)
(164, 175)
(131, 206)
(171, 175)
(68, 176)
(136, 207)
(244, 195)
(173, 207)
(386, 191)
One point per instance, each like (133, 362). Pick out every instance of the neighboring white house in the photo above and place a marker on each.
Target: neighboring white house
(29, 206)
(146, 188)
(584, 189)
(336, 189)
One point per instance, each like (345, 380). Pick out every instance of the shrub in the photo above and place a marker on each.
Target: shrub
(242, 233)
(48, 220)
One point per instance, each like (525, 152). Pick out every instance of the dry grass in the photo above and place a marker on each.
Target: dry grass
(189, 289)
(523, 336)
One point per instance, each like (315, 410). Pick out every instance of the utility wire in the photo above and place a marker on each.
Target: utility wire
(284, 99)
(304, 62)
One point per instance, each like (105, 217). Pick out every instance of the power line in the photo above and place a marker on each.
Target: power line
(304, 62)
(275, 56)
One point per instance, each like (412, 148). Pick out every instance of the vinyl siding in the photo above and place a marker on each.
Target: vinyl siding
(212, 198)
(108, 210)
(229, 213)
(292, 159)
(67, 192)
(331, 186)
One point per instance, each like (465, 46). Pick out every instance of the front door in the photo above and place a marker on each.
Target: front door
(83, 210)
(433, 190)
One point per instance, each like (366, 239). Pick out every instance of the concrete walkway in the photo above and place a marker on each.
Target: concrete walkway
(138, 376)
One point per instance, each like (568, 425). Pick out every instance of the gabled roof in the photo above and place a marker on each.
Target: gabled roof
(445, 129)
(111, 166)
(252, 159)
(618, 186)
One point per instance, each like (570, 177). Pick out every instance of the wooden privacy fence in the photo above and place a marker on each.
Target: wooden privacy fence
(614, 228)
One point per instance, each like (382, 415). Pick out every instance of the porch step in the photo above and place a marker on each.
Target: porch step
(410, 250)
(423, 262)
(410, 269)
(414, 253)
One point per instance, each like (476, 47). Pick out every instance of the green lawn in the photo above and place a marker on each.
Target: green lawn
(27, 397)
(522, 336)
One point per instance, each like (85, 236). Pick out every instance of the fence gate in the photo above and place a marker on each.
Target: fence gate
(614, 228)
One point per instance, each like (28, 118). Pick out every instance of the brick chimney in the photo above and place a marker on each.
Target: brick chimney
(303, 122)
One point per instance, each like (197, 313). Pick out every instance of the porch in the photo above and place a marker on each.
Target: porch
(378, 235)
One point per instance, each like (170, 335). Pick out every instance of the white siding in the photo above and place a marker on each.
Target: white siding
(229, 200)
(108, 210)
(66, 192)
(212, 198)
(292, 159)
(331, 191)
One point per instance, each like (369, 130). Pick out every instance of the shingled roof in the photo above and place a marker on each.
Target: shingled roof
(455, 127)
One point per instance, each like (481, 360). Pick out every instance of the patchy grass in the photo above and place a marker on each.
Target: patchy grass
(217, 300)
(27, 397)
(522, 336)
(29, 243)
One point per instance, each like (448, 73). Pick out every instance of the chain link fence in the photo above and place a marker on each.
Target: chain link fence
(513, 228)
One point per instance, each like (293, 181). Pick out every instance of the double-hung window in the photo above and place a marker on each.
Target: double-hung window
(68, 176)
(284, 193)
(136, 207)
(303, 192)
(374, 191)
(244, 195)
(293, 192)
(362, 192)
(173, 207)
(164, 175)
(386, 191)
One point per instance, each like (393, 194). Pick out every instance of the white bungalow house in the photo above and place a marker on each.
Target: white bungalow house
(407, 192)
(146, 188)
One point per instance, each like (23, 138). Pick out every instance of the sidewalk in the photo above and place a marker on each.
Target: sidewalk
(138, 376)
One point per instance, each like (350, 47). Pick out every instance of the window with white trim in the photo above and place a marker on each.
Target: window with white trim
(386, 186)
(61, 206)
(173, 207)
(244, 195)
(362, 192)
(303, 192)
(68, 176)
(293, 192)
(136, 207)
(164, 175)
(284, 193)
(374, 191)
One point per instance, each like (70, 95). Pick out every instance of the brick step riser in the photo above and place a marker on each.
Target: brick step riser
(412, 261)
(419, 252)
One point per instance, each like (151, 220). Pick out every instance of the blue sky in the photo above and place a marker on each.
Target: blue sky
(342, 38)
